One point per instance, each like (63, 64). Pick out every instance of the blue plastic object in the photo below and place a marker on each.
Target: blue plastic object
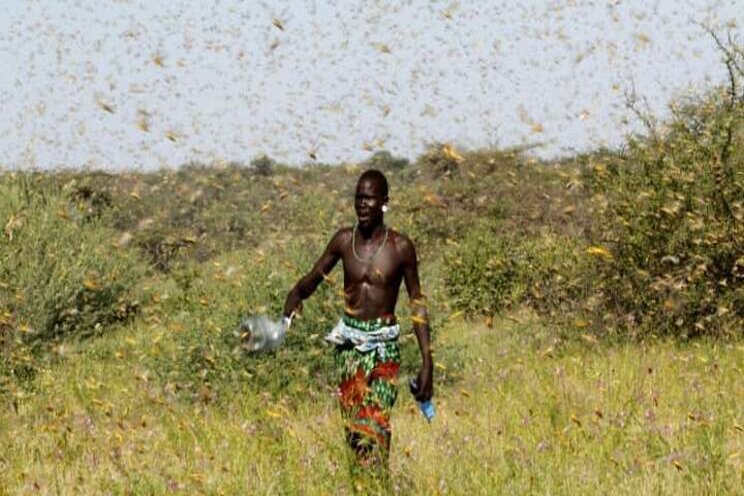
(426, 407)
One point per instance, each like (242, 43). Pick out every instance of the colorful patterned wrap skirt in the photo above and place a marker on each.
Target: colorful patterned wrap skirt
(367, 388)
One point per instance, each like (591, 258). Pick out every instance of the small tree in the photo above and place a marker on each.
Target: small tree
(384, 160)
(441, 160)
(263, 165)
(670, 210)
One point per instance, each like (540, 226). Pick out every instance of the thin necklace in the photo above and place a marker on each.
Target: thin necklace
(353, 248)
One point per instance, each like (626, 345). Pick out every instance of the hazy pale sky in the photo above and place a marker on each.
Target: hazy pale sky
(148, 84)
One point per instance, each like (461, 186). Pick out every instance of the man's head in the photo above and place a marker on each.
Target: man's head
(371, 196)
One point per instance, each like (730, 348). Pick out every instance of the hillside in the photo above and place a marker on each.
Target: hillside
(587, 319)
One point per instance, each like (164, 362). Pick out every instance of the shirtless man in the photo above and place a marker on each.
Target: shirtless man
(375, 260)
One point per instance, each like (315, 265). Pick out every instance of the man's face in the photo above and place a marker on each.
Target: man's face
(368, 202)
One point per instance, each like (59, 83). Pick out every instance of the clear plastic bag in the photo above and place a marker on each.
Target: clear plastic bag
(260, 333)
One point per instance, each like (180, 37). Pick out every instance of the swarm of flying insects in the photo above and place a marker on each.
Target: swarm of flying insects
(170, 173)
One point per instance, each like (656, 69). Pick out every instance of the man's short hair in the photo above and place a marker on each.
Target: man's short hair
(378, 177)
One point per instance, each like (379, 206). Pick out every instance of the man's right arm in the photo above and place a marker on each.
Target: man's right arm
(309, 283)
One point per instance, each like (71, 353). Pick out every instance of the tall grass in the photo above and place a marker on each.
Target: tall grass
(532, 415)
(61, 276)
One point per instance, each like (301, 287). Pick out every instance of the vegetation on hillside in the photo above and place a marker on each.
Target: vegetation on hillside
(620, 270)
(670, 210)
(62, 275)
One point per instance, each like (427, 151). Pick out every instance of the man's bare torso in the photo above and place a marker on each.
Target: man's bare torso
(371, 288)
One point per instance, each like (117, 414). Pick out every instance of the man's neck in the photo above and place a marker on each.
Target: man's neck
(371, 232)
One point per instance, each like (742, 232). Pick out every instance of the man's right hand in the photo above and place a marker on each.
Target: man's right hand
(287, 320)
(292, 308)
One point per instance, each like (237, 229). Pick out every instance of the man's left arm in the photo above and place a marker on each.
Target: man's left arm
(420, 318)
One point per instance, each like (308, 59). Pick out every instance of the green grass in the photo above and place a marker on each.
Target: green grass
(531, 414)
(592, 361)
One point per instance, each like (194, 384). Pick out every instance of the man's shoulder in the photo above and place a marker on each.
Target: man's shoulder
(342, 235)
(402, 242)
(399, 236)
(343, 231)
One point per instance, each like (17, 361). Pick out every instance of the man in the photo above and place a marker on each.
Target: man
(375, 260)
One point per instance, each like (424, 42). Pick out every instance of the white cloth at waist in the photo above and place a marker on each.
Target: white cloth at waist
(363, 341)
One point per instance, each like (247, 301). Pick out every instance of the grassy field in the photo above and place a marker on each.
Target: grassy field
(529, 414)
(586, 317)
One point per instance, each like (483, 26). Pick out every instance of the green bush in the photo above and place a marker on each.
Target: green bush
(61, 273)
(386, 161)
(669, 213)
(210, 302)
(481, 273)
(553, 274)
(491, 270)
(440, 160)
(263, 165)
(164, 248)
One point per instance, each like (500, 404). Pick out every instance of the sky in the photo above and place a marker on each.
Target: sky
(149, 84)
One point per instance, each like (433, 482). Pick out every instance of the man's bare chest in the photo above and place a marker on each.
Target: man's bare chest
(372, 267)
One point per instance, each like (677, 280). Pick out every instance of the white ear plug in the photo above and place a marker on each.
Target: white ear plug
(384, 208)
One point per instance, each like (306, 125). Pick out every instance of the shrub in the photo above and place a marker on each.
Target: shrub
(60, 275)
(385, 161)
(163, 249)
(668, 215)
(263, 165)
(481, 273)
(211, 302)
(491, 270)
(440, 160)
(91, 198)
(553, 274)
